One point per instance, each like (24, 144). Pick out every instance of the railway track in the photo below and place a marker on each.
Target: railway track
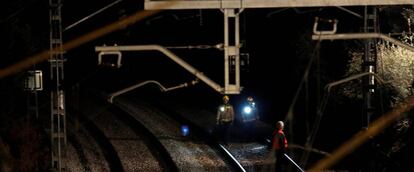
(209, 138)
(199, 146)
(154, 146)
(109, 152)
(122, 141)
(138, 136)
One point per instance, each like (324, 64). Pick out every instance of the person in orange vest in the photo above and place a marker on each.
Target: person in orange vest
(225, 118)
(280, 145)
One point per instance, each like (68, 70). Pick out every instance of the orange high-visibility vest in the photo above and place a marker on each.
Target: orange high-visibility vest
(276, 137)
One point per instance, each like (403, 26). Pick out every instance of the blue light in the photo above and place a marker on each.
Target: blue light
(247, 110)
(185, 131)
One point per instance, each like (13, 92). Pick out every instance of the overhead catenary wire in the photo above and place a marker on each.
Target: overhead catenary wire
(17, 12)
(289, 116)
(91, 15)
(44, 55)
(302, 82)
(321, 109)
(359, 138)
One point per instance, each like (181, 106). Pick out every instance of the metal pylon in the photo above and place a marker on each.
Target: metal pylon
(58, 115)
(369, 63)
(231, 51)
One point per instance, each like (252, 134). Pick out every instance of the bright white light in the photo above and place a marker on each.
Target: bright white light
(222, 108)
(247, 109)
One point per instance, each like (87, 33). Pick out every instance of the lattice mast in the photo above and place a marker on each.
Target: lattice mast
(369, 63)
(58, 115)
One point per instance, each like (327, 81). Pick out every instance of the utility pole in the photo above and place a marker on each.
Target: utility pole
(57, 95)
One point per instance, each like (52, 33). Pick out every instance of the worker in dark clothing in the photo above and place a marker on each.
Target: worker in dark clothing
(225, 118)
(280, 145)
(249, 116)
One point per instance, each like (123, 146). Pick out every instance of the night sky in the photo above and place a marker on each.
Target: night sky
(277, 40)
